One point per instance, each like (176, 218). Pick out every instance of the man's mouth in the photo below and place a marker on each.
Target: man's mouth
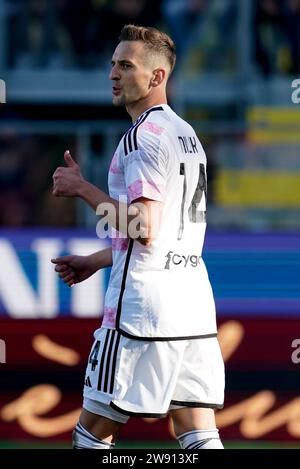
(116, 90)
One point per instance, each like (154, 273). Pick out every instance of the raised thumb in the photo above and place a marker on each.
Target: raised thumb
(68, 159)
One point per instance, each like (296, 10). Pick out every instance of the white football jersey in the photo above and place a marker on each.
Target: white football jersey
(161, 291)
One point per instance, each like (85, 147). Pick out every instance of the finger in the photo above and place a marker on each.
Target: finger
(61, 260)
(63, 275)
(58, 172)
(69, 160)
(68, 278)
(61, 267)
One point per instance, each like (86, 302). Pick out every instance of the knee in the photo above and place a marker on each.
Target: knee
(83, 439)
(200, 439)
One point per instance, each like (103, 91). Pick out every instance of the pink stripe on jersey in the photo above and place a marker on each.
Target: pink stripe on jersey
(114, 167)
(119, 244)
(109, 318)
(153, 128)
(147, 189)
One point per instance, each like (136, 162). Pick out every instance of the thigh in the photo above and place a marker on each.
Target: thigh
(192, 418)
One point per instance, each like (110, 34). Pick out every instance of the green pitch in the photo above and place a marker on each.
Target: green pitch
(152, 445)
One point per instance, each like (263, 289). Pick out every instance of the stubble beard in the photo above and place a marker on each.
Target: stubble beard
(119, 101)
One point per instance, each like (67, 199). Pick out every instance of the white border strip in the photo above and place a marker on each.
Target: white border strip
(2, 92)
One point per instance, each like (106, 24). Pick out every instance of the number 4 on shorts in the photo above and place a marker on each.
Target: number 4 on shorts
(93, 360)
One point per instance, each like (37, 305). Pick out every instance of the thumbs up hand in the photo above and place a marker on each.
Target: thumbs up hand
(69, 160)
(67, 180)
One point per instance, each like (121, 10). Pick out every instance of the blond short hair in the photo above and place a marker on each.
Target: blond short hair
(155, 41)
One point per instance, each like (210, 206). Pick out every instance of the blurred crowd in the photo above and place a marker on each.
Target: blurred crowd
(26, 166)
(66, 34)
(82, 33)
(70, 32)
(277, 36)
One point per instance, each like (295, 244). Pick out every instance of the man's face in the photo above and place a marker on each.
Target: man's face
(130, 75)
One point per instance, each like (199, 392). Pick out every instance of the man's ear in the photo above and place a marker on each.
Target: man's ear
(158, 76)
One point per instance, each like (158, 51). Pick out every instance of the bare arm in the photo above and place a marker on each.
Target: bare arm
(101, 259)
(138, 220)
(74, 269)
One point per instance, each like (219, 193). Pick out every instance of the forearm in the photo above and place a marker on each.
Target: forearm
(117, 214)
(101, 259)
(94, 196)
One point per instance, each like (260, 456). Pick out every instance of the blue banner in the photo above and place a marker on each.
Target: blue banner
(254, 274)
(251, 274)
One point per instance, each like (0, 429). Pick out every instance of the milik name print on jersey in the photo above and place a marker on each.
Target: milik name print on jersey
(188, 144)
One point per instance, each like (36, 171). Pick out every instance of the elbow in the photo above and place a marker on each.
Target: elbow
(145, 241)
(144, 236)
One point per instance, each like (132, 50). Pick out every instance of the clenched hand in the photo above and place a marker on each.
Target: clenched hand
(74, 269)
(67, 180)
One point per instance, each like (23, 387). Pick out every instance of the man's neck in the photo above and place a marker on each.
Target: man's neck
(136, 109)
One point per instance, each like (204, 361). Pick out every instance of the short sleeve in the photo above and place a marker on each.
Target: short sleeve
(145, 169)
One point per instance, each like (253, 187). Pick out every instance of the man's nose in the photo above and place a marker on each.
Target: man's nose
(114, 75)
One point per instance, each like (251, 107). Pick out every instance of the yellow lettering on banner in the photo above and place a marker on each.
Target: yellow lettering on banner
(230, 336)
(252, 413)
(49, 349)
(38, 401)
